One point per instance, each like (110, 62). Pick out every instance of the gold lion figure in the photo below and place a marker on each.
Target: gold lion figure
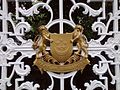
(40, 43)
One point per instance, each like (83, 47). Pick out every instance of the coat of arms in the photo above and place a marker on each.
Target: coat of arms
(61, 48)
(61, 57)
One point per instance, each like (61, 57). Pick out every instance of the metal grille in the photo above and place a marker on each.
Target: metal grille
(105, 50)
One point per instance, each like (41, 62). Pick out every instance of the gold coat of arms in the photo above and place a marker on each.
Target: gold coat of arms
(61, 48)
(61, 58)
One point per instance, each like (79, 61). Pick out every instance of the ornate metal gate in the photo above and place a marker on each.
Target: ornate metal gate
(14, 69)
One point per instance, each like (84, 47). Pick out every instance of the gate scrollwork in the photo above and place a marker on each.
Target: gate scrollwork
(9, 47)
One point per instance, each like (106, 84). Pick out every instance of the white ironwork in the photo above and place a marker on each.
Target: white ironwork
(95, 47)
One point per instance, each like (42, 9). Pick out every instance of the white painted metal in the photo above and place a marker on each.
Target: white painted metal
(95, 47)
(19, 0)
(100, 0)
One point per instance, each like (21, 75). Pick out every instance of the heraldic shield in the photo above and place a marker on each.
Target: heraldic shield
(61, 48)
(61, 57)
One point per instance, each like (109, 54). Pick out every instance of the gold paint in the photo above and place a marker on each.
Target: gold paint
(61, 50)
(80, 39)
(78, 65)
(61, 47)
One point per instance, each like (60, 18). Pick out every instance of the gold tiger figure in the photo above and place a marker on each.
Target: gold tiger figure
(80, 39)
(81, 43)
